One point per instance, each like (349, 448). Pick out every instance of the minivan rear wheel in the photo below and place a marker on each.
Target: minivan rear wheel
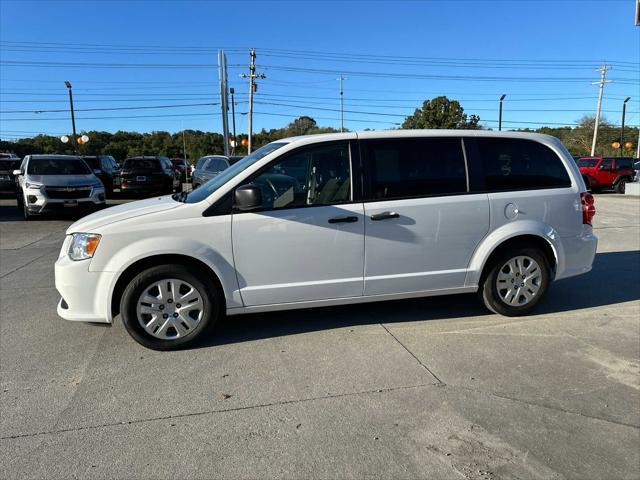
(169, 307)
(516, 282)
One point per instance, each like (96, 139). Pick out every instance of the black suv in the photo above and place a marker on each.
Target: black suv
(106, 169)
(150, 175)
(8, 163)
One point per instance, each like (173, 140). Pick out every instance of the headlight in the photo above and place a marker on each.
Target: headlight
(33, 186)
(83, 245)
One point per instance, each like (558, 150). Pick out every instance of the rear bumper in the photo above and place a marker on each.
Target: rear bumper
(579, 253)
(85, 294)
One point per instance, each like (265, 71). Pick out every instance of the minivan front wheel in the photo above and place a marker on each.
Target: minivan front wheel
(168, 307)
(516, 282)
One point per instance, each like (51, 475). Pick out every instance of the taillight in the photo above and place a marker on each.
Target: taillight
(588, 207)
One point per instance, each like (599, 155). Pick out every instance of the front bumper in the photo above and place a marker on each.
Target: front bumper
(579, 253)
(85, 295)
(39, 202)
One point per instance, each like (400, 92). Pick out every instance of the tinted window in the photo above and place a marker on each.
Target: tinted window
(623, 163)
(513, 164)
(588, 162)
(93, 162)
(57, 166)
(140, 164)
(607, 163)
(415, 167)
(9, 163)
(319, 175)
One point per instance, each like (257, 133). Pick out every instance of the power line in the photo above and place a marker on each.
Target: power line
(144, 107)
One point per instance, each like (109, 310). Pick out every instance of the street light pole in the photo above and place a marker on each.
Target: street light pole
(73, 118)
(502, 97)
(624, 111)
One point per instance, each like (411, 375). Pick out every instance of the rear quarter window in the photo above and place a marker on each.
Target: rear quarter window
(515, 164)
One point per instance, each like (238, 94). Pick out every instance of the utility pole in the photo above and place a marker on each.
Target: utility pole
(233, 119)
(500, 113)
(624, 111)
(224, 99)
(73, 118)
(341, 78)
(252, 88)
(603, 74)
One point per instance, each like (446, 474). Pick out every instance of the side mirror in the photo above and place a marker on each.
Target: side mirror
(247, 198)
(18, 172)
(97, 171)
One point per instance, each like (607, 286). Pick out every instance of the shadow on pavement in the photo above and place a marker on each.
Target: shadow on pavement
(613, 280)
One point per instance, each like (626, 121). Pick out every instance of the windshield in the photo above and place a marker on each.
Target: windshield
(92, 162)
(216, 182)
(586, 162)
(57, 166)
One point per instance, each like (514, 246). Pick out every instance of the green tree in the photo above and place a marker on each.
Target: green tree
(440, 112)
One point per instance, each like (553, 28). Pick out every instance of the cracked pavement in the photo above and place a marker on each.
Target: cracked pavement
(422, 388)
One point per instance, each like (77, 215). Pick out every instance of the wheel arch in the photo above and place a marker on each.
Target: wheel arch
(495, 244)
(142, 264)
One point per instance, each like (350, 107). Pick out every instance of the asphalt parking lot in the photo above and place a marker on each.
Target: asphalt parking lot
(429, 388)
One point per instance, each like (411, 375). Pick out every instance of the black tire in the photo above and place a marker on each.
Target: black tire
(490, 294)
(25, 212)
(620, 185)
(213, 306)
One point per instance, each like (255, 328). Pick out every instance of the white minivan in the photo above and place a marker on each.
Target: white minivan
(335, 219)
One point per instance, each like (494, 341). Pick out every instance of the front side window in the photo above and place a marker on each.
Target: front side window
(415, 167)
(318, 175)
(57, 166)
(607, 164)
(516, 164)
(216, 182)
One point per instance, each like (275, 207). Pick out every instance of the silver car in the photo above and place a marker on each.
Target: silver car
(56, 182)
(207, 168)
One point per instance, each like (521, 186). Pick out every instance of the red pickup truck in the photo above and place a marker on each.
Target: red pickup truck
(606, 172)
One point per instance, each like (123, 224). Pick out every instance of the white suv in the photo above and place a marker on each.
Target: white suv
(336, 219)
(47, 183)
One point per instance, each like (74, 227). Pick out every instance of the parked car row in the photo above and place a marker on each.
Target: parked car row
(44, 183)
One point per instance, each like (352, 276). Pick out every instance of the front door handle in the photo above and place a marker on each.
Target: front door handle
(384, 216)
(343, 220)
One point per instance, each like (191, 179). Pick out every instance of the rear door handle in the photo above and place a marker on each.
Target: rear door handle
(343, 220)
(384, 216)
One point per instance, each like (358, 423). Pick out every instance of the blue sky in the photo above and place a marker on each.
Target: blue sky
(394, 54)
